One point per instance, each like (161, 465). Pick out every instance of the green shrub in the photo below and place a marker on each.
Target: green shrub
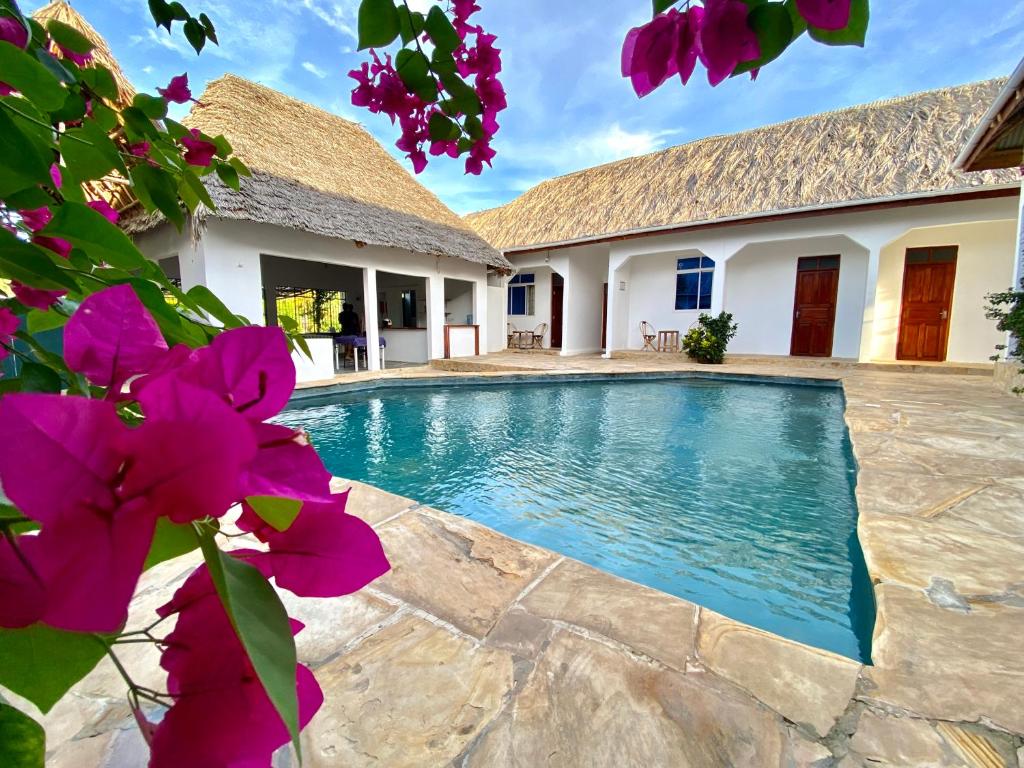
(707, 342)
(1007, 308)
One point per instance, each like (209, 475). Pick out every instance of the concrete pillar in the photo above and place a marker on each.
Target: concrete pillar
(435, 317)
(616, 330)
(867, 328)
(371, 320)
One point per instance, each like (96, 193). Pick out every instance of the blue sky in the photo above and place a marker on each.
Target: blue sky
(568, 107)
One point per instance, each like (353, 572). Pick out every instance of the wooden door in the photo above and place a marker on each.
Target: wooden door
(814, 306)
(604, 318)
(557, 291)
(928, 276)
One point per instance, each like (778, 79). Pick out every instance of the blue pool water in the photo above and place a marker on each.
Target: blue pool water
(736, 496)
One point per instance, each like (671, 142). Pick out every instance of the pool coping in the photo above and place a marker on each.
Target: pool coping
(896, 686)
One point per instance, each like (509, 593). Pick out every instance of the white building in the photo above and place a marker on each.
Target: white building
(327, 209)
(848, 234)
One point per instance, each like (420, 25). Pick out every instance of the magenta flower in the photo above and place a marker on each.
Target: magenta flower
(37, 298)
(221, 713)
(177, 90)
(13, 32)
(81, 59)
(141, 149)
(55, 176)
(58, 245)
(9, 323)
(688, 26)
(36, 218)
(286, 465)
(649, 53)
(112, 337)
(726, 40)
(198, 151)
(825, 14)
(104, 208)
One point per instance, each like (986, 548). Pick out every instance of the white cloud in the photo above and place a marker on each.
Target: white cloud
(342, 16)
(313, 69)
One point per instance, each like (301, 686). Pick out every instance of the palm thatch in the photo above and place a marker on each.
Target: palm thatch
(317, 172)
(998, 141)
(887, 150)
(114, 188)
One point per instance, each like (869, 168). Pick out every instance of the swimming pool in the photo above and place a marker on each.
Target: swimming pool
(737, 496)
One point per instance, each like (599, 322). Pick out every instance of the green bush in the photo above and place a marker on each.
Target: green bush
(1007, 308)
(707, 342)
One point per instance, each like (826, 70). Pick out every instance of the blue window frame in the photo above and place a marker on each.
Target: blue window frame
(694, 278)
(521, 292)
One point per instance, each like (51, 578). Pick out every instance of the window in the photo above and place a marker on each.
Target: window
(693, 282)
(314, 310)
(521, 292)
(941, 255)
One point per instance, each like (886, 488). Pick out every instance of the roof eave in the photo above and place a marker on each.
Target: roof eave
(1009, 100)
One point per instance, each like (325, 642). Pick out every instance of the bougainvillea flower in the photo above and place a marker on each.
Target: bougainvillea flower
(104, 208)
(112, 337)
(726, 40)
(55, 176)
(198, 151)
(325, 552)
(221, 713)
(58, 245)
(38, 298)
(35, 218)
(649, 53)
(177, 90)
(286, 465)
(141, 149)
(13, 31)
(688, 26)
(23, 591)
(8, 325)
(825, 14)
(81, 59)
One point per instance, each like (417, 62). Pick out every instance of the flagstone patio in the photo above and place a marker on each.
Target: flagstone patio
(480, 650)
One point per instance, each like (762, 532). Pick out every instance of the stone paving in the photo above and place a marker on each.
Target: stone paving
(479, 650)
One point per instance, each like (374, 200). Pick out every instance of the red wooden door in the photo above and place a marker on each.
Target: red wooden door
(814, 306)
(557, 291)
(928, 276)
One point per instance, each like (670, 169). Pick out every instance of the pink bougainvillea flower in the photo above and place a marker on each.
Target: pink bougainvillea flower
(286, 465)
(37, 298)
(825, 14)
(648, 53)
(12, 31)
(221, 713)
(35, 218)
(141, 149)
(81, 59)
(104, 208)
(324, 553)
(58, 245)
(112, 337)
(726, 40)
(688, 26)
(55, 176)
(177, 90)
(8, 325)
(198, 151)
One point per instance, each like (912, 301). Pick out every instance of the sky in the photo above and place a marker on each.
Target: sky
(569, 108)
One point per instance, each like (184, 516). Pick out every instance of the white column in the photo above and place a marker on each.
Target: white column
(618, 304)
(371, 320)
(435, 317)
(867, 328)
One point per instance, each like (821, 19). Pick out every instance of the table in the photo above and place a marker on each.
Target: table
(521, 339)
(668, 341)
(357, 343)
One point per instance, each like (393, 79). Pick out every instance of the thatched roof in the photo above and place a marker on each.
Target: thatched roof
(888, 150)
(998, 141)
(317, 172)
(113, 188)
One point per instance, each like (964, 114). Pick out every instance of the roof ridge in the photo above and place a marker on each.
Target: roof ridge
(229, 76)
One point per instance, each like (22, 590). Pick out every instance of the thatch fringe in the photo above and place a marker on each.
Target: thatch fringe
(888, 149)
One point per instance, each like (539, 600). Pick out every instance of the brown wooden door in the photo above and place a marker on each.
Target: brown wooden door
(928, 276)
(814, 307)
(604, 318)
(557, 291)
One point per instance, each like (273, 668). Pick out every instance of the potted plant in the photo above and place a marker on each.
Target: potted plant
(706, 342)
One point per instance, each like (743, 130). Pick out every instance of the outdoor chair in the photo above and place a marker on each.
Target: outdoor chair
(538, 335)
(511, 330)
(649, 335)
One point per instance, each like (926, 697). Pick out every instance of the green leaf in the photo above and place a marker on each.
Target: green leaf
(773, 26)
(442, 129)
(855, 33)
(178, 11)
(175, 129)
(207, 300)
(410, 24)
(414, 69)
(161, 13)
(39, 378)
(38, 321)
(229, 176)
(9, 512)
(441, 31)
(152, 107)
(171, 540)
(42, 663)
(379, 24)
(104, 117)
(91, 231)
(276, 511)
(101, 82)
(195, 34)
(22, 739)
(137, 125)
(157, 191)
(27, 75)
(175, 328)
(195, 185)
(464, 98)
(29, 264)
(242, 168)
(262, 625)
(660, 6)
(72, 110)
(89, 152)
(211, 32)
(68, 37)
(33, 197)
(474, 128)
(25, 162)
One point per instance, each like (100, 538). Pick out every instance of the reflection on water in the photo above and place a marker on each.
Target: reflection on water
(739, 497)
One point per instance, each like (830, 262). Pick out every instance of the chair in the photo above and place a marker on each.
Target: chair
(511, 330)
(649, 335)
(538, 335)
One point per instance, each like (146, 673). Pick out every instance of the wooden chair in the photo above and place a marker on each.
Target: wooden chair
(511, 331)
(649, 335)
(668, 341)
(538, 335)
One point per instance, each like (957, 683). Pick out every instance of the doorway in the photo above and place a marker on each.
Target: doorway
(557, 292)
(928, 275)
(814, 306)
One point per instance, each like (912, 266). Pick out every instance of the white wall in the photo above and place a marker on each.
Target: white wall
(984, 265)
(458, 301)
(391, 286)
(495, 338)
(407, 345)
(652, 296)
(583, 299)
